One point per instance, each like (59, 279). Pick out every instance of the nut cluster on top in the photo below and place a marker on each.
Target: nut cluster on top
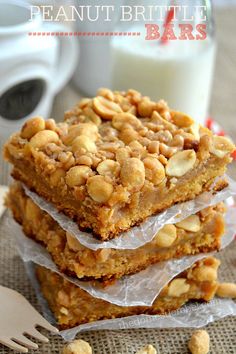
(117, 143)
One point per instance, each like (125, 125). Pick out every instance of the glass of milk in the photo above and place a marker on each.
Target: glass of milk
(179, 71)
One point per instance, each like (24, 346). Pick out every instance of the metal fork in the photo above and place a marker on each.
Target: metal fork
(17, 319)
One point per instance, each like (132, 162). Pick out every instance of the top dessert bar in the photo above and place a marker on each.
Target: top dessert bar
(117, 159)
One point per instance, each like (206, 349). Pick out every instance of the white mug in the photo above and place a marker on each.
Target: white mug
(33, 68)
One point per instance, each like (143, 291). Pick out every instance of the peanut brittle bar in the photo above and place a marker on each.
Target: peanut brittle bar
(117, 159)
(198, 233)
(73, 306)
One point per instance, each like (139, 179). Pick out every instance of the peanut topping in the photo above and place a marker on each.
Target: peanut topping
(105, 108)
(32, 126)
(87, 129)
(181, 119)
(109, 167)
(146, 107)
(226, 290)
(199, 342)
(98, 189)
(78, 175)
(122, 154)
(42, 138)
(119, 121)
(191, 223)
(178, 287)
(154, 170)
(78, 346)
(221, 146)
(166, 236)
(181, 163)
(84, 142)
(133, 174)
(205, 273)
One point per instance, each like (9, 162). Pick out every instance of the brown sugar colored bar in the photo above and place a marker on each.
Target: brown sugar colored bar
(72, 306)
(198, 233)
(117, 159)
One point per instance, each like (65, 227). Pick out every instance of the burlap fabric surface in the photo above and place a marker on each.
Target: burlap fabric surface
(174, 341)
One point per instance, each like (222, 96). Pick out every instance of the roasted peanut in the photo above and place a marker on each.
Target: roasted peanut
(78, 346)
(205, 273)
(87, 129)
(181, 120)
(221, 146)
(105, 108)
(83, 142)
(166, 236)
(31, 127)
(167, 151)
(178, 287)
(122, 154)
(226, 290)
(199, 342)
(108, 168)
(42, 138)
(98, 189)
(56, 176)
(133, 174)
(78, 175)
(191, 223)
(146, 107)
(154, 170)
(181, 163)
(120, 120)
(106, 93)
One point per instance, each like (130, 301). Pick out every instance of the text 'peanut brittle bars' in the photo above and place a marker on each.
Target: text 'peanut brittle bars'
(117, 159)
(198, 233)
(73, 306)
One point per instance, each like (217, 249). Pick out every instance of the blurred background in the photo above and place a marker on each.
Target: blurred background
(47, 75)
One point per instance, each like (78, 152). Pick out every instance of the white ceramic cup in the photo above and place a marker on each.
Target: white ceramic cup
(33, 69)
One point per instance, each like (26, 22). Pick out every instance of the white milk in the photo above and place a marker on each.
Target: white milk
(180, 71)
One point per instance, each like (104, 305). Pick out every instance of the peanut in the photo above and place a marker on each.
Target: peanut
(122, 154)
(105, 108)
(133, 174)
(199, 342)
(191, 223)
(226, 290)
(146, 107)
(108, 167)
(98, 189)
(166, 236)
(205, 273)
(42, 138)
(106, 93)
(178, 287)
(181, 120)
(148, 349)
(83, 142)
(56, 176)
(78, 346)
(31, 127)
(154, 170)
(88, 129)
(181, 163)
(121, 119)
(77, 175)
(221, 146)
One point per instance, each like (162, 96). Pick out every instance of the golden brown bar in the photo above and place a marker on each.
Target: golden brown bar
(117, 159)
(73, 306)
(198, 233)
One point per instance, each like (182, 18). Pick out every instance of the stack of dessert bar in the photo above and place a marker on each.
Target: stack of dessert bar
(115, 160)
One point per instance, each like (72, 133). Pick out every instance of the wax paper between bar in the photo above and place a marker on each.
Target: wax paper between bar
(192, 315)
(139, 289)
(137, 236)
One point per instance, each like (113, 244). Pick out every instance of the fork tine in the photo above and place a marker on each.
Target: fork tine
(9, 343)
(45, 324)
(21, 339)
(37, 335)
